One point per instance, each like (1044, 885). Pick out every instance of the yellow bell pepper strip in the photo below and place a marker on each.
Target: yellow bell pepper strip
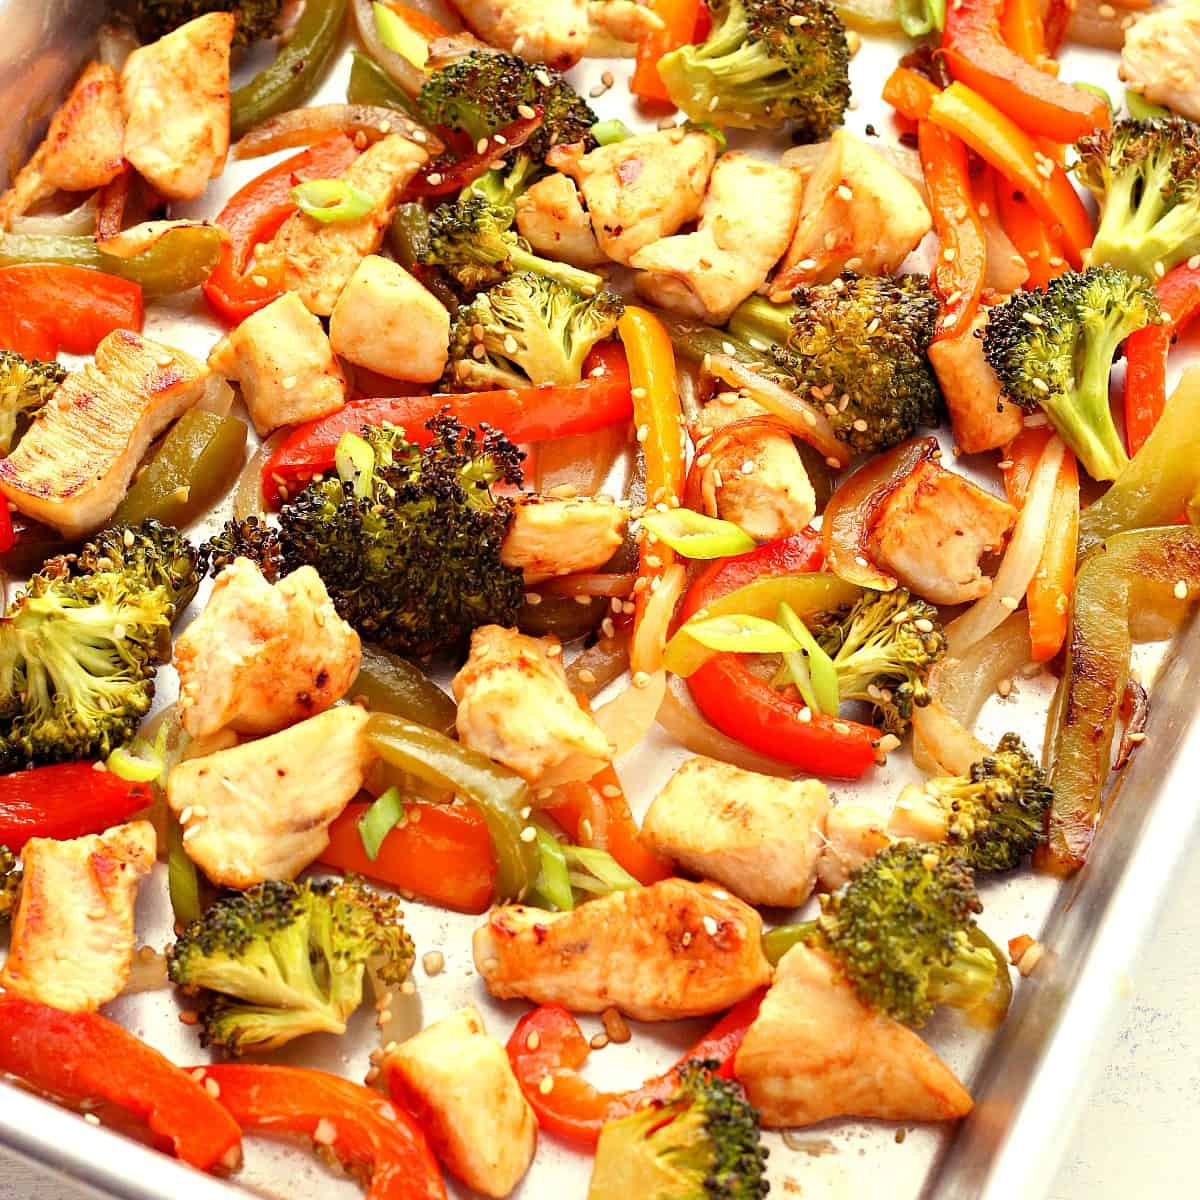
(999, 141)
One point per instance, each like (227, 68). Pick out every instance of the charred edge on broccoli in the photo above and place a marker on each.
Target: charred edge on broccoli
(257, 20)
(10, 884)
(25, 386)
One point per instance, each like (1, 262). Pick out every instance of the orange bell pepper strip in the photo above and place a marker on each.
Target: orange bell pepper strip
(974, 49)
(1041, 250)
(1000, 142)
(680, 19)
(1025, 32)
(910, 93)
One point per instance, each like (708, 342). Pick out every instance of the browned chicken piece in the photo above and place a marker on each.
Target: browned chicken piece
(641, 189)
(859, 214)
(549, 537)
(815, 1052)
(260, 657)
(771, 499)
(552, 219)
(933, 530)
(72, 939)
(757, 835)
(746, 223)
(72, 467)
(660, 953)
(621, 21)
(1160, 58)
(917, 815)
(853, 834)
(175, 95)
(316, 260)
(514, 705)
(981, 417)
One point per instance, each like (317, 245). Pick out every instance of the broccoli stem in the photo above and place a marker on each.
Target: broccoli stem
(757, 319)
(969, 979)
(778, 941)
(1087, 425)
(582, 281)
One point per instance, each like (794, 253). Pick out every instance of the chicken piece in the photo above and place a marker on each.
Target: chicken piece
(260, 657)
(854, 833)
(552, 219)
(72, 938)
(775, 498)
(459, 1084)
(73, 466)
(262, 810)
(932, 531)
(660, 953)
(549, 537)
(746, 223)
(514, 705)
(554, 32)
(859, 214)
(981, 417)
(316, 260)
(641, 189)
(388, 322)
(175, 95)
(628, 22)
(815, 1051)
(917, 815)
(284, 364)
(758, 836)
(1161, 58)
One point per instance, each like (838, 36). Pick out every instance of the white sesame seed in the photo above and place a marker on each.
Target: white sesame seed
(546, 1084)
(433, 961)
(325, 1133)
(1181, 589)
(710, 926)
(1010, 602)
(529, 834)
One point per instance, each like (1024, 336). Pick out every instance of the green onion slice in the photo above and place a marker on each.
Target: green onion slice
(328, 200)
(919, 17)
(608, 133)
(1140, 109)
(553, 882)
(1096, 90)
(597, 871)
(742, 635)
(815, 665)
(123, 763)
(379, 820)
(399, 36)
(355, 463)
(694, 535)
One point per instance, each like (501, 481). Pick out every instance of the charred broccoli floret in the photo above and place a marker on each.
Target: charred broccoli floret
(10, 883)
(251, 538)
(285, 959)
(1146, 177)
(1053, 349)
(861, 342)
(25, 387)
(256, 19)
(764, 63)
(528, 329)
(155, 554)
(704, 1143)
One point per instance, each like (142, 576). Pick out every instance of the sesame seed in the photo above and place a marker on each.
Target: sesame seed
(586, 676)
(91, 1118)
(804, 715)
(640, 679)
(1040, 384)
(860, 425)
(1194, 262)
(889, 742)
(608, 628)
(433, 961)
(1181, 590)
(546, 1084)
(529, 834)
(553, 651)
(1010, 602)
(710, 925)
(832, 462)
(259, 280)
(534, 1040)
(923, 624)
(212, 1087)
(524, 110)
(499, 139)
(844, 192)
(598, 1041)
(841, 727)
(325, 1133)
(435, 177)
(532, 599)
(1136, 738)
(1004, 687)
(643, 432)
(748, 467)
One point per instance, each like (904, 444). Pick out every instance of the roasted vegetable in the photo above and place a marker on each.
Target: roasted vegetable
(10, 883)
(256, 19)
(24, 387)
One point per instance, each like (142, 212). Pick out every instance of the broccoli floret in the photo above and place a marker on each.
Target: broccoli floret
(10, 883)
(704, 1143)
(286, 959)
(1146, 177)
(765, 62)
(155, 554)
(884, 647)
(861, 342)
(251, 538)
(528, 329)
(1053, 349)
(256, 19)
(25, 387)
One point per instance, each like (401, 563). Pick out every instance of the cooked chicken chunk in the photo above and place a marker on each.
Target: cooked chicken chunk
(514, 705)
(458, 1082)
(853, 834)
(918, 815)
(316, 261)
(72, 939)
(552, 219)
(1161, 58)
(72, 467)
(746, 222)
(175, 95)
(758, 836)
(932, 531)
(284, 364)
(628, 21)
(774, 498)
(260, 657)
(641, 189)
(549, 537)
(816, 1052)
(659, 953)
(859, 214)
(262, 810)
(982, 418)
(388, 322)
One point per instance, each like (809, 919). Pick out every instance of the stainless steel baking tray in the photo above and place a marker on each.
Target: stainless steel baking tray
(1027, 1078)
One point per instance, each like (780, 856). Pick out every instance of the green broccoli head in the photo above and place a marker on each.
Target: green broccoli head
(250, 538)
(10, 883)
(704, 1143)
(285, 959)
(1053, 349)
(25, 386)
(765, 62)
(883, 648)
(528, 329)
(153, 554)
(256, 19)
(1146, 177)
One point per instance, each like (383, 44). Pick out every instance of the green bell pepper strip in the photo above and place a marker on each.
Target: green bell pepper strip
(183, 881)
(778, 941)
(296, 71)
(497, 792)
(562, 617)
(393, 686)
(370, 84)
(195, 466)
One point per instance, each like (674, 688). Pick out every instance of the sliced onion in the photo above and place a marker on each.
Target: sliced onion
(599, 665)
(399, 69)
(148, 972)
(248, 500)
(1006, 270)
(580, 461)
(906, 160)
(654, 621)
(303, 126)
(80, 220)
(628, 717)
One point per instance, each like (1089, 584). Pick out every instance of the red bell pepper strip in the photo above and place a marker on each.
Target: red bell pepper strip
(680, 20)
(548, 1043)
(1146, 352)
(1037, 245)
(253, 215)
(534, 414)
(797, 554)
(974, 49)
(65, 801)
(1024, 32)
(84, 1056)
(910, 93)
(443, 176)
(8, 539)
(366, 1130)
